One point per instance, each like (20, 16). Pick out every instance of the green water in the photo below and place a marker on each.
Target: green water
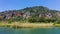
(30, 31)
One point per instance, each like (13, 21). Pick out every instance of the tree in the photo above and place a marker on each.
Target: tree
(33, 19)
(58, 21)
(51, 20)
(42, 19)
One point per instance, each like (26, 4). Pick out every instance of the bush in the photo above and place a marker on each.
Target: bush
(41, 19)
(9, 20)
(36, 19)
(58, 21)
(32, 20)
(51, 20)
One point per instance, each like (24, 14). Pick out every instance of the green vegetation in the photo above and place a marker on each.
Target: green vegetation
(37, 14)
(42, 19)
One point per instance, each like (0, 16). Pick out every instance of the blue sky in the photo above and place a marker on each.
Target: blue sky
(20, 4)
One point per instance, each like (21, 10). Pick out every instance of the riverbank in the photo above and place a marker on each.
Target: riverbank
(26, 25)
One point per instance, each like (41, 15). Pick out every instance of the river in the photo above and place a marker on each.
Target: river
(53, 30)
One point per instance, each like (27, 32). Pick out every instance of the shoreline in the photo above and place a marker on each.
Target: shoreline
(27, 25)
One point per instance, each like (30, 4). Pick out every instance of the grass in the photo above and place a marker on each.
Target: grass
(27, 25)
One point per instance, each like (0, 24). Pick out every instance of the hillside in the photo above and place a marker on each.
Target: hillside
(36, 11)
(32, 11)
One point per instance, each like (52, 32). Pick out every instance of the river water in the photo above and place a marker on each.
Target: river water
(54, 30)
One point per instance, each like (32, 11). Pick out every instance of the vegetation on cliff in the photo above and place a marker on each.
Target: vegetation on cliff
(36, 14)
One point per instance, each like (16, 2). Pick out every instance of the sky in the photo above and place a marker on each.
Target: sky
(20, 4)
